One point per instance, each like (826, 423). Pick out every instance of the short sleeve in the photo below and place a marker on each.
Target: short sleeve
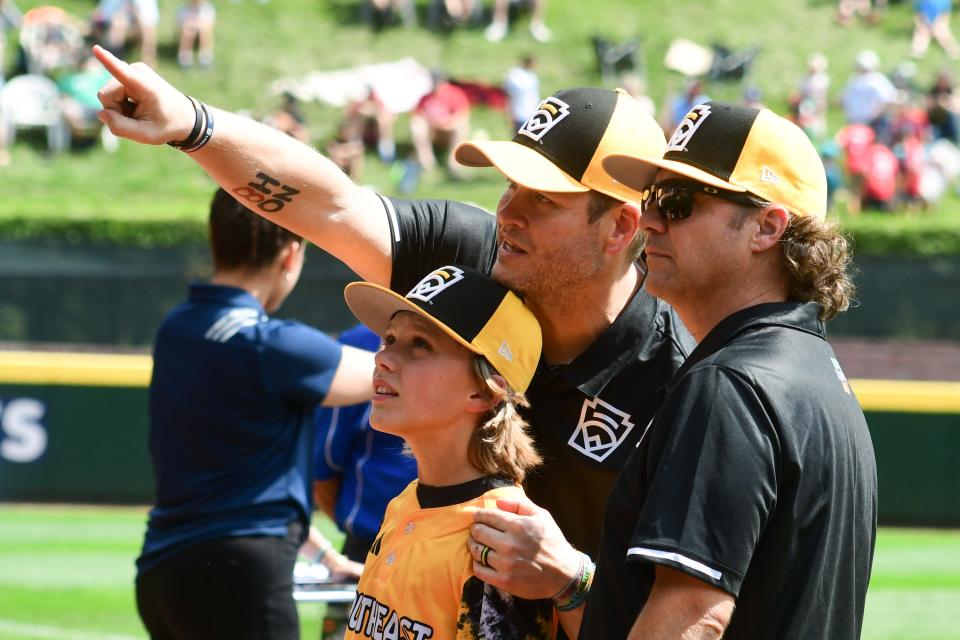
(428, 234)
(297, 361)
(488, 613)
(712, 478)
(336, 428)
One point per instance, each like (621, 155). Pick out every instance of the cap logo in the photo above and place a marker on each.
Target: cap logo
(441, 279)
(550, 112)
(687, 127)
(767, 175)
(504, 351)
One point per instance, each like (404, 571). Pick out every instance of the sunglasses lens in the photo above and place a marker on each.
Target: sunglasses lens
(673, 202)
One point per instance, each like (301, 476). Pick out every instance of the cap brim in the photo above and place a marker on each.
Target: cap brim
(520, 164)
(625, 169)
(375, 306)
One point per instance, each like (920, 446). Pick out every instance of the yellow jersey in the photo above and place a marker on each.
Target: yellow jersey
(418, 580)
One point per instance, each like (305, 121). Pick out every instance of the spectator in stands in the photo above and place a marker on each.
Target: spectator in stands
(381, 13)
(196, 21)
(872, 169)
(346, 149)
(441, 118)
(932, 18)
(678, 106)
(78, 97)
(118, 16)
(868, 92)
(357, 470)
(375, 122)
(523, 91)
(10, 19)
(450, 14)
(809, 103)
(942, 108)
(870, 10)
(499, 26)
(289, 118)
(231, 404)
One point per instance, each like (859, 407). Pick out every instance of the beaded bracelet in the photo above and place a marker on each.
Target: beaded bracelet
(197, 126)
(575, 593)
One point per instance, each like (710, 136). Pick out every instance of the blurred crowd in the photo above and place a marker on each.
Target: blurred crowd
(896, 147)
(53, 80)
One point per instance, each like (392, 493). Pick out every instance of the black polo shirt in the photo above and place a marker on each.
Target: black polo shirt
(586, 416)
(758, 477)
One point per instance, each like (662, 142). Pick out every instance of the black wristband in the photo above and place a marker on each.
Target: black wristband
(197, 126)
(207, 129)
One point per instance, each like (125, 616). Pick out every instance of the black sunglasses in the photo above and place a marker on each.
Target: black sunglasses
(674, 197)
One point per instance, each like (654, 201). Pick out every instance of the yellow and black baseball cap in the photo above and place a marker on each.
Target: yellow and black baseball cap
(560, 147)
(738, 148)
(480, 314)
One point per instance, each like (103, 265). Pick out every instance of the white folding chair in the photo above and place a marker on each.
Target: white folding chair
(33, 101)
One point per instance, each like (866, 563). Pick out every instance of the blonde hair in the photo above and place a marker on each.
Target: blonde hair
(501, 444)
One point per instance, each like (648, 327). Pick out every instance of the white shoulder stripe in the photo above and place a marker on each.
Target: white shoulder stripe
(392, 216)
(230, 323)
(675, 557)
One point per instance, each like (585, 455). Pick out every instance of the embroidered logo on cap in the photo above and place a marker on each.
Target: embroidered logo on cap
(441, 279)
(504, 351)
(550, 112)
(687, 127)
(767, 175)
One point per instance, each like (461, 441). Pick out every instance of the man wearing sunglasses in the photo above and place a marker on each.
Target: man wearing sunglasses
(565, 235)
(749, 508)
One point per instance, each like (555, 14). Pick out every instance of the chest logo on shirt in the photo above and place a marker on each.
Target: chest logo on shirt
(550, 112)
(602, 428)
(436, 282)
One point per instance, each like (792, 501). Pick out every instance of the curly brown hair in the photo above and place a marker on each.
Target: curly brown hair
(816, 259)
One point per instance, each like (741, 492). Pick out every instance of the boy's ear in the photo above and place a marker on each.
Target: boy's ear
(484, 399)
(288, 255)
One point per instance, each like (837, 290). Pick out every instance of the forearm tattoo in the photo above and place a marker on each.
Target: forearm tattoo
(266, 192)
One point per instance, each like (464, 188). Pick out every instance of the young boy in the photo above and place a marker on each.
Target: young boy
(458, 353)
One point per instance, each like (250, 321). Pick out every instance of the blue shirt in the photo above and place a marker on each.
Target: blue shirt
(372, 466)
(231, 402)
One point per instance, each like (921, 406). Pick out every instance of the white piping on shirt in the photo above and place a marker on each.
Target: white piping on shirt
(675, 557)
(348, 521)
(392, 216)
(328, 441)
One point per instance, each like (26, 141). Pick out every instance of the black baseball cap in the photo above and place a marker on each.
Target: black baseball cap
(738, 148)
(470, 307)
(560, 147)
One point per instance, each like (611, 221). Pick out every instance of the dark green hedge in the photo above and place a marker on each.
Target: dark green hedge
(870, 236)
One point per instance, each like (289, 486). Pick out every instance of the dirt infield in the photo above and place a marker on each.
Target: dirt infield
(898, 359)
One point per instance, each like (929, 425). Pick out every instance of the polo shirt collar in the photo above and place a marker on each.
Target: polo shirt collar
(799, 316)
(629, 337)
(205, 292)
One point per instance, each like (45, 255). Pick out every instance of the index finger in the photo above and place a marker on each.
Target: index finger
(118, 69)
(493, 518)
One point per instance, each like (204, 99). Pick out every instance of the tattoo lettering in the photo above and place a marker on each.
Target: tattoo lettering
(267, 193)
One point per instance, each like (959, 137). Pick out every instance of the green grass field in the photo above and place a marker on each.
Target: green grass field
(67, 573)
(258, 43)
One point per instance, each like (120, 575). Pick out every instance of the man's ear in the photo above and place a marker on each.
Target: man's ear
(770, 226)
(626, 225)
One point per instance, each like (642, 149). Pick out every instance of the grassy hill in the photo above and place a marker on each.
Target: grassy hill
(101, 195)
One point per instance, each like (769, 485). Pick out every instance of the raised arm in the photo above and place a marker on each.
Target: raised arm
(269, 172)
